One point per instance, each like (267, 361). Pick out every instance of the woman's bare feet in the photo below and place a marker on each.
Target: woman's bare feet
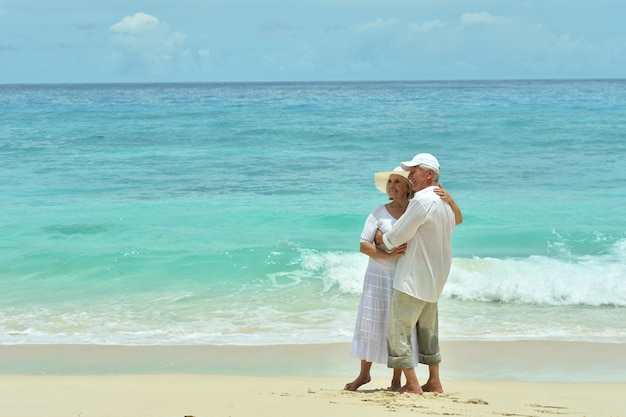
(354, 385)
(395, 385)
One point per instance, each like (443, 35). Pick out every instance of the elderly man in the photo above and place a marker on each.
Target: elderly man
(426, 227)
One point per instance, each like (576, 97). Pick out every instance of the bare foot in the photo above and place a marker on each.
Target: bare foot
(354, 385)
(410, 389)
(432, 388)
(395, 386)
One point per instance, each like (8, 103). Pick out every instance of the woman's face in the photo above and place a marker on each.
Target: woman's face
(397, 186)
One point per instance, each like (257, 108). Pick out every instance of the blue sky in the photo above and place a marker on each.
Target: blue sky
(66, 41)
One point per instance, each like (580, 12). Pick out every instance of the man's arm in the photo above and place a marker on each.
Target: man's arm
(406, 226)
(379, 240)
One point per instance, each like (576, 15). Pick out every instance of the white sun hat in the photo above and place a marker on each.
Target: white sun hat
(381, 178)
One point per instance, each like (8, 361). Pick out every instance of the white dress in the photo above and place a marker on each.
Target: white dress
(370, 332)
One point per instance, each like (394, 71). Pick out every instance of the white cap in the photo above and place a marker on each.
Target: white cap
(425, 159)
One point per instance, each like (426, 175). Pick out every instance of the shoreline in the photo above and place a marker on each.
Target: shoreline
(528, 361)
(479, 378)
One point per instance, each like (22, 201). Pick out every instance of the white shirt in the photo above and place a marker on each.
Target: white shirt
(379, 219)
(426, 227)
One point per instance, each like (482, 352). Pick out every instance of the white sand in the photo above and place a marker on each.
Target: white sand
(480, 379)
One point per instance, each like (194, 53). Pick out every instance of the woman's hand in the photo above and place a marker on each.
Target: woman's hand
(441, 192)
(445, 196)
(378, 237)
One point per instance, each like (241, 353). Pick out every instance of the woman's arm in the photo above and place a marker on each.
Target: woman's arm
(445, 196)
(372, 251)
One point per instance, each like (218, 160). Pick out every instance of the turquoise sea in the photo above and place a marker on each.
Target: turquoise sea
(169, 214)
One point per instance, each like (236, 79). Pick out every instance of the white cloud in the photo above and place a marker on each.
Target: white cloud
(144, 44)
(478, 18)
(431, 25)
(138, 24)
(381, 24)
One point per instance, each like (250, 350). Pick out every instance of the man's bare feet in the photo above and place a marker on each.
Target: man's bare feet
(354, 385)
(410, 389)
(432, 388)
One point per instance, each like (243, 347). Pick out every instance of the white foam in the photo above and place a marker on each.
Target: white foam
(585, 280)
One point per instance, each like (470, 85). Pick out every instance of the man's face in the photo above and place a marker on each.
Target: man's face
(419, 178)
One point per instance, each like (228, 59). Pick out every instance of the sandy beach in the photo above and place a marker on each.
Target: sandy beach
(529, 378)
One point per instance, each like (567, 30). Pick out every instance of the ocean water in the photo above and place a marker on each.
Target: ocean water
(143, 214)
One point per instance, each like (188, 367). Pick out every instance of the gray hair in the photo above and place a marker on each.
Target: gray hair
(435, 171)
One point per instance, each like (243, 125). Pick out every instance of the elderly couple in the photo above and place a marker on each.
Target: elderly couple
(409, 244)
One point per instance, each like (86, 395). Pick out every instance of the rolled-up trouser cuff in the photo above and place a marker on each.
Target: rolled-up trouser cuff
(430, 359)
(400, 363)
